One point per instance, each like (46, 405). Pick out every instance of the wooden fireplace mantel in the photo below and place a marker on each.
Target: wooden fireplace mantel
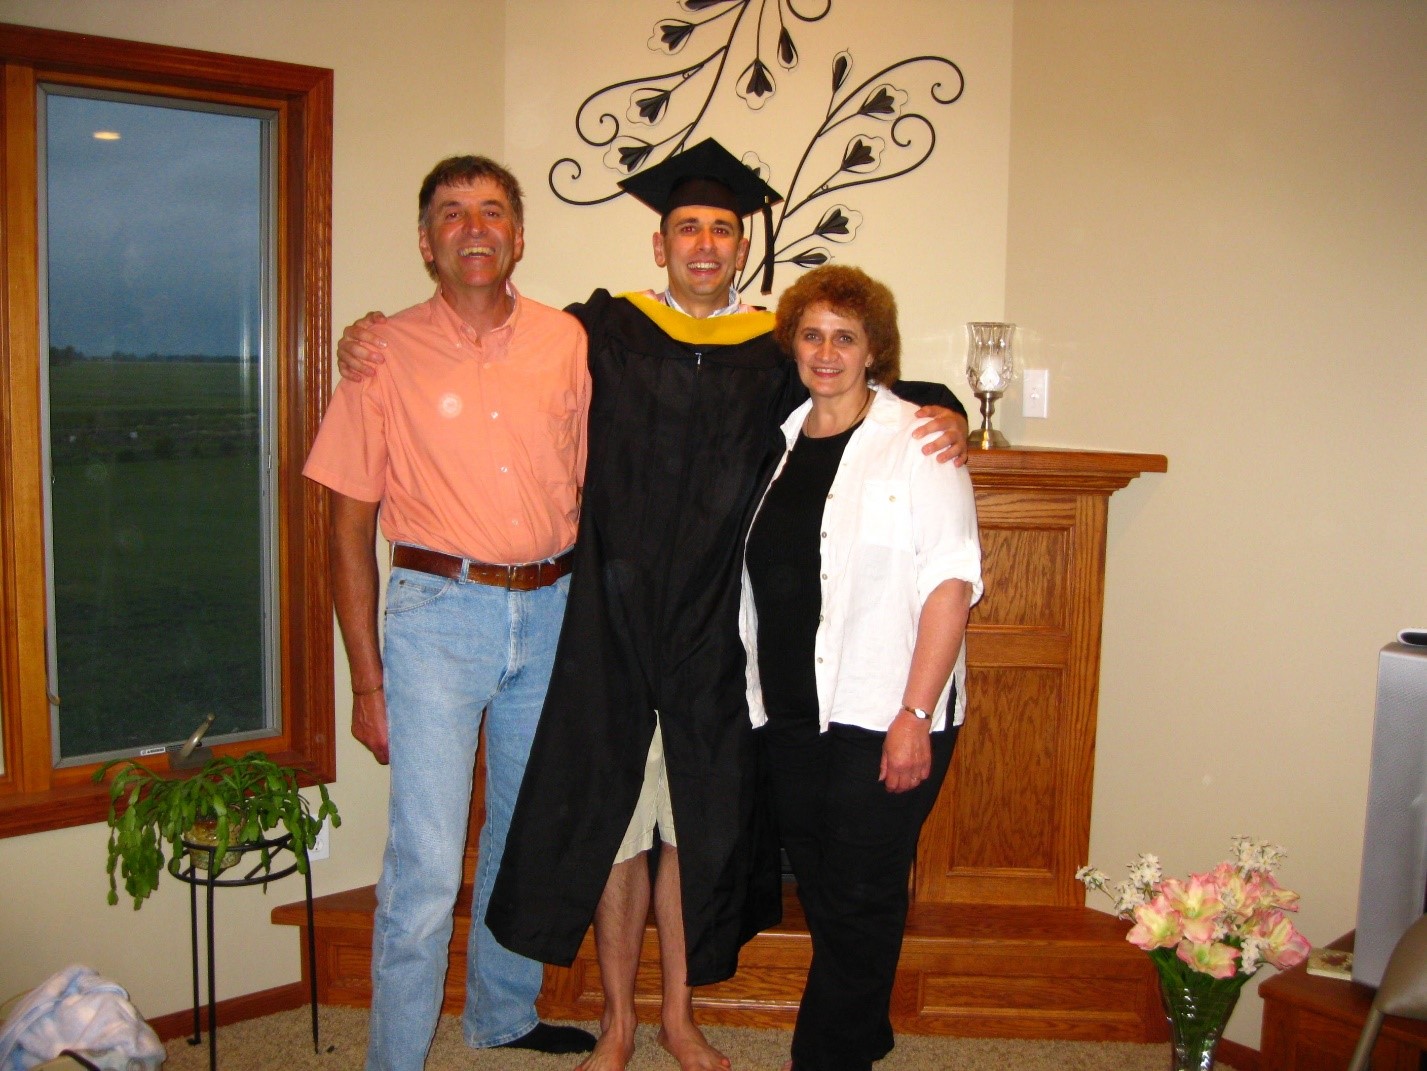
(999, 942)
(1045, 467)
(1013, 823)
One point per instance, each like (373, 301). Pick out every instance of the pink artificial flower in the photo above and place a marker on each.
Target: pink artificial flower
(1215, 958)
(1266, 901)
(1157, 925)
(1274, 894)
(1239, 898)
(1283, 945)
(1198, 905)
(1222, 873)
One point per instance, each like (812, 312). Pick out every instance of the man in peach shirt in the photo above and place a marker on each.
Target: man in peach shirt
(469, 442)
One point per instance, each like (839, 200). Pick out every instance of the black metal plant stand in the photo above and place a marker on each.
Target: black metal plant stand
(195, 875)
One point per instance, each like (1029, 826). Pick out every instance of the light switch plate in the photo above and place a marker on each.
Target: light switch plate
(1035, 396)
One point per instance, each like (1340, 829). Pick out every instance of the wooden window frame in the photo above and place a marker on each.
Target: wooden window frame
(34, 795)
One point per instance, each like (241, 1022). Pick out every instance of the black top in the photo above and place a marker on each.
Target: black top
(784, 565)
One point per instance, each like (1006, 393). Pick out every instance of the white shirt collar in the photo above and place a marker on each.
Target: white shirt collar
(735, 304)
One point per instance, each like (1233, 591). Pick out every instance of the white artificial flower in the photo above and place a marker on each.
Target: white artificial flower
(1251, 955)
(1092, 878)
(1129, 896)
(1146, 870)
(1256, 856)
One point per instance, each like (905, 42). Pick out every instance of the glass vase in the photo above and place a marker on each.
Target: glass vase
(1198, 1008)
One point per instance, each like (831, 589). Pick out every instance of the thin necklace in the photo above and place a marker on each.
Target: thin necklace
(865, 406)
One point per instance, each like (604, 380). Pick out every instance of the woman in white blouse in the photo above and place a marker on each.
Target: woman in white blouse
(859, 571)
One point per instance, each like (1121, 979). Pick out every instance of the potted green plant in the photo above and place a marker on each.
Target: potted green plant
(239, 798)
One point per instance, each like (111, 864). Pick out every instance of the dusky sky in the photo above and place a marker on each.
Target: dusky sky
(154, 239)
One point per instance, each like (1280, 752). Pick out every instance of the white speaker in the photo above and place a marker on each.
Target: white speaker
(1393, 886)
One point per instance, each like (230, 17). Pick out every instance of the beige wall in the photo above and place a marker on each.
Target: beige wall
(1218, 246)
(1198, 212)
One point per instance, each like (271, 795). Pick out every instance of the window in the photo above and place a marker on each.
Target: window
(154, 248)
(165, 220)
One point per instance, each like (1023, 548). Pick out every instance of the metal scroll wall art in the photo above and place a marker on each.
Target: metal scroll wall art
(873, 131)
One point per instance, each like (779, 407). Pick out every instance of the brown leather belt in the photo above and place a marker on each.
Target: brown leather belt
(515, 577)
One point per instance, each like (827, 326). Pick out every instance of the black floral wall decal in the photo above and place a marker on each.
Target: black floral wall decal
(873, 131)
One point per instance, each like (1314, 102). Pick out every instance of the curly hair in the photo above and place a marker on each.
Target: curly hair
(852, 293)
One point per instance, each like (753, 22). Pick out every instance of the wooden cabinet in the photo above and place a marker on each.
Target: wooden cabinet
(1312, 1023)
(1013, 822)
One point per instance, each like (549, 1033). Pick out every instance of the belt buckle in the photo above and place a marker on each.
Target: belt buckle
(510, 573)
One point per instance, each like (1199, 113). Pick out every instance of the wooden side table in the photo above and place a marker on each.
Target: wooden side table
(1311, 1023)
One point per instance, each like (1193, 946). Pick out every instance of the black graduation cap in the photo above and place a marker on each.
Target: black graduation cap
(708, 174)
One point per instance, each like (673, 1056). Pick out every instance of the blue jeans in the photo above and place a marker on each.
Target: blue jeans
(453, 650)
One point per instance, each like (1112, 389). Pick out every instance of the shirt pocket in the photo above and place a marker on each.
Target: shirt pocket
(562, 412)
(887, 514)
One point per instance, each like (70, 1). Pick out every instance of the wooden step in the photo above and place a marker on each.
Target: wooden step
(967, 970)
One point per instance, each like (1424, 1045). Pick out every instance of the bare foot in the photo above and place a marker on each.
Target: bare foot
(789, 1065)
(688, 1045)
(612, 1052)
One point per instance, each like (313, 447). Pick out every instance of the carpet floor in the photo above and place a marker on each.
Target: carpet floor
(284, 1041)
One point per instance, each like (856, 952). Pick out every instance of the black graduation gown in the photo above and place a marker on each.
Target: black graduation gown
(683, 433)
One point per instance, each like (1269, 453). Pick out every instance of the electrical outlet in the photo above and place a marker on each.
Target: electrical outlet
(320, 845)
(1036, 393)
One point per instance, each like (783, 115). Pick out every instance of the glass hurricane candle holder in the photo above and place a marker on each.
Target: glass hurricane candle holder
(990, 367)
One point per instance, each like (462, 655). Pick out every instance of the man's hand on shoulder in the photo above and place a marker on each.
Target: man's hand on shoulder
(359, 348)
(950, 428)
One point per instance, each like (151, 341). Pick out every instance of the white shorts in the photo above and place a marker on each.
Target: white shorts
(654, 807)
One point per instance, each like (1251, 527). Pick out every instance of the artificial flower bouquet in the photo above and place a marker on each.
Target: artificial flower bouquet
(1222, 923)
(1207, 936)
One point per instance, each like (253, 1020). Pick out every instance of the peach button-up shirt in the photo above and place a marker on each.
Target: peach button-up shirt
(474, 445)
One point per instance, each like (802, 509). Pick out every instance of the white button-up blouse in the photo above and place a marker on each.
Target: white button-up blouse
(896, 524)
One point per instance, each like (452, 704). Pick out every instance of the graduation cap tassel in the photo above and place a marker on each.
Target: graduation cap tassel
(767, 287)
